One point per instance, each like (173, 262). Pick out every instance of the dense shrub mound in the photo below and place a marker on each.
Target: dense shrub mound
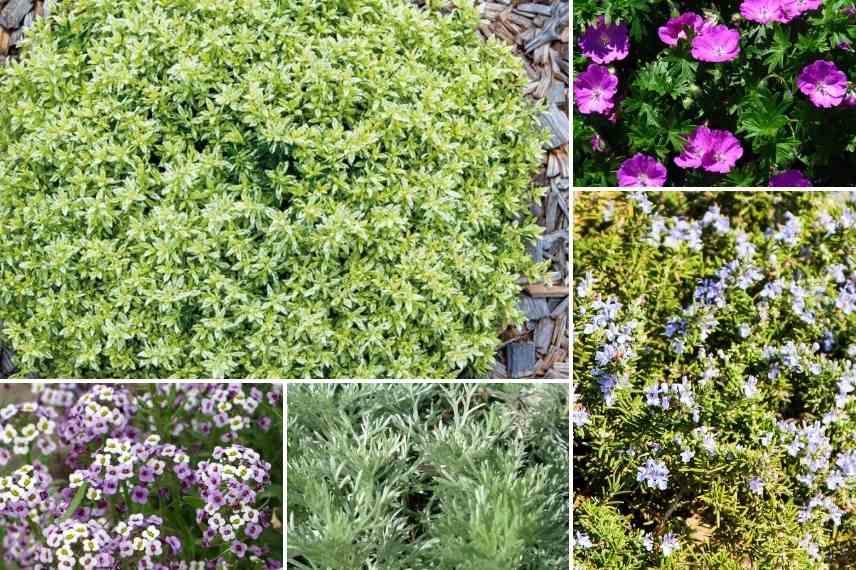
(310, 188)
(452, 477)
(715, 420)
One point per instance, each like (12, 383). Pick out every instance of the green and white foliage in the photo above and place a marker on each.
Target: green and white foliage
(262, 188)
(449, 477)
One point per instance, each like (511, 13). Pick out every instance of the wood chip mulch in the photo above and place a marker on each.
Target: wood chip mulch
(539, 33)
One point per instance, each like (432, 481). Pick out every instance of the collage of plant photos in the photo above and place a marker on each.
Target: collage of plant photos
(285, 284)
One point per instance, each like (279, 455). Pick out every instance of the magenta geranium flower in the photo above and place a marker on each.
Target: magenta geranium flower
(791, 9)
(724, 152)
(641, 170)
(716, 44)
(790, 179)
(710, 149)
(825, 84)
(676, 28)
(762, 11)
(597, 143)
(603, 43)
(697, 144)
(594, 89)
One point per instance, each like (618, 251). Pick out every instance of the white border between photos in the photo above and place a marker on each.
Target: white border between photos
(284, 403)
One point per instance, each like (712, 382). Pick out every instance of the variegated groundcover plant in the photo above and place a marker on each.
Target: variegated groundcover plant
(262, 188)
(163, 477)
(714, 415)
(720, 93)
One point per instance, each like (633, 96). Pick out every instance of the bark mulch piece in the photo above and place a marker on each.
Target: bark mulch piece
(521, 359)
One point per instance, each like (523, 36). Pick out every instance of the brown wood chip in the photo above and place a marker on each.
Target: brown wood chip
(5, 42)
(541, 290)
(523, 22)
(564, 167)
(553, 167)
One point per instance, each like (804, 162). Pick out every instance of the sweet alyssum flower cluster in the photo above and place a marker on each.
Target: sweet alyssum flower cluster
(145, 484)
(23, 492)
(226, 409)
(596, 90)
(770, 323)
(229, 486)
(25, 426)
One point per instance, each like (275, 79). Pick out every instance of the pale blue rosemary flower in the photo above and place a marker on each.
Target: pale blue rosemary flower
(654, 473)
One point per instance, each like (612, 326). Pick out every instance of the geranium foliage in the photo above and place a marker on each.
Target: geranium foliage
(715, 381)
(262, 188)
(774, 80)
